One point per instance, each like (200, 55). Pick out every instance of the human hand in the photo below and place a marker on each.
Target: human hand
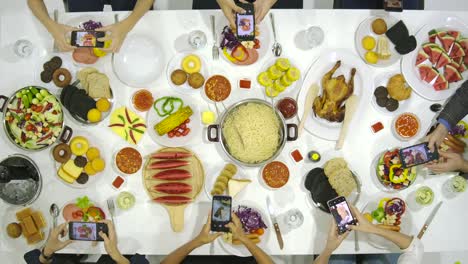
(261, 9)
(363, 224)
(53, 243)
(110, 242)
(229, 9)
(448, 162)
(437, 136)
(205, 235)
(59, 32)
(236, 228)
(334, 239)
(116, 33)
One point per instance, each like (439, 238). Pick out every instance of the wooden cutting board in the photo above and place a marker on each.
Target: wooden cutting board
(176, 212)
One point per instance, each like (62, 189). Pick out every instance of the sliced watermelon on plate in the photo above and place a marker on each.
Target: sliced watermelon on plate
(441, 34)
(432, 35)
(447, 42)
(427, 73)
(427, 47)
(462, 68)
(454, 64)
(424, 70)
(456, 51)
(436, 52)
(464, 43)
(443, 60)
(440, 84)
(422, 56)
(465, 59)
(451, 74)
(458, 60)
(454, 33)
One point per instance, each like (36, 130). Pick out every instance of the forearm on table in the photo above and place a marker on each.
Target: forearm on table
(39, 9)
(119, 259)
(455, 110)
(181, 253)
(324, 257)
(401, 240)
(260, 256)
(141, 7)
(464, 167)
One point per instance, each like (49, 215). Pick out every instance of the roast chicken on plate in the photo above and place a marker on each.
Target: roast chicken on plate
(335, 90)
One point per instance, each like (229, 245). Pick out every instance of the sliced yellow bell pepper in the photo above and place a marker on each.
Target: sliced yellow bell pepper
(228, 56)
(397, 179)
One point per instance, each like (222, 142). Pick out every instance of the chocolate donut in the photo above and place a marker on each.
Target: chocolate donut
(62, 153)
(46, 76)
(80, 161)
(61, 73)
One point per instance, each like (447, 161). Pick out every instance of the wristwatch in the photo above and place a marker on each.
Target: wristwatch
(44, 255)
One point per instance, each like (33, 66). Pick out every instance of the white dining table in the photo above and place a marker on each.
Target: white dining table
(146, 229)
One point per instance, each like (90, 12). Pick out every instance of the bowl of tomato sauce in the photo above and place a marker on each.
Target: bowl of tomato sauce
(406, 126)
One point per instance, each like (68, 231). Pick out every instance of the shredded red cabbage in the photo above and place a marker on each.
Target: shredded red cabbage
(91, 25)
(395, 206)
(458, 130)
(251, 219)
(229, 40)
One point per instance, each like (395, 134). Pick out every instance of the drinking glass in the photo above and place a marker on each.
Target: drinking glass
(23, 48)
(314, 36)
(197, 39)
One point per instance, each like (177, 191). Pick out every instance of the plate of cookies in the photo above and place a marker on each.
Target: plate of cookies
(56, 71)
(79, 161)
(186, 72)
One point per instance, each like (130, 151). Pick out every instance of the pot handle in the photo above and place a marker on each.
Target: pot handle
(5, 100)
(66, 134)
(210, 129)
(288, 129)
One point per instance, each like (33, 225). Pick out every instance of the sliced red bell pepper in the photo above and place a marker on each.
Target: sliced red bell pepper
(45, 137)
(240, 53)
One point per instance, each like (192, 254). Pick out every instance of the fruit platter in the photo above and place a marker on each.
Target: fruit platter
(82, 210)
(186, 72)
(174, 121)
(279, 76)
(373, 45)
(438, 66)
(390, 174)
(255, 225)
(79, 162)
(388, 213)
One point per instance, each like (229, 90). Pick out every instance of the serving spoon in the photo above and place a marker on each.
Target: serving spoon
(54, 212)
(277, 49)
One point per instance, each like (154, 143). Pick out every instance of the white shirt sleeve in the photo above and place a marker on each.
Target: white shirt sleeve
(413, 254)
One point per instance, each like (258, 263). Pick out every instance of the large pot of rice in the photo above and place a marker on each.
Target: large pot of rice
(252, 132)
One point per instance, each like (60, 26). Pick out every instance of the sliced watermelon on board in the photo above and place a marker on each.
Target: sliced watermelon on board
(456, 51)
(454, 33)
(440, 84)
(451, 74)
(443, 60)
(464, 43)
(422, 57)
(447, 42)
(432, 35)
(436, 52)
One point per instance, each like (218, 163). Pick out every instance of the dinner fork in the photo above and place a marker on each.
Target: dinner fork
(215, 49)
(111, 207)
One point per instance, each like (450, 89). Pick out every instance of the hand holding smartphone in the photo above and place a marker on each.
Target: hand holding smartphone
(417, 155)
(87, 231)
(245, 23)
(342, 214)
(87, 39)
(221, 213)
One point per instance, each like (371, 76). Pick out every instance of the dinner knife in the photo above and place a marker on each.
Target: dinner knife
(429, 220)
(275, 223)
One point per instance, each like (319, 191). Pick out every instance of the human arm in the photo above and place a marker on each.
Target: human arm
(261, 9)
(455, 110)
(449, 162)
(54, 243)
(238, 233)
(118, 32)
(229, 9)
(57, 30)
(205, 237)
(110, 243)
(333, 242)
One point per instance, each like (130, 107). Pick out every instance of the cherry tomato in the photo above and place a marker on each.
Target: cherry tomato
(187, 121)
(27, 116)
(185, 132)
(178, 134)
(183, 126)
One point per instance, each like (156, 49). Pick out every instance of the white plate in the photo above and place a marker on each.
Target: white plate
(92, 143)
(406, 224)
(241, 250)
(264, 38)
(213, 174)
(321, 127)
(365, 29)
(295, 86)
(175, 63)
(19, 244)
(382, 80)
(410, 71)
(139, 61)
(194, 125)
(67, 63)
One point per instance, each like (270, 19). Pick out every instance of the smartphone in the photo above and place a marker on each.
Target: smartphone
(87, 39)
(342, 214)
(417, 155)
(245, 23)
(393, 5)
(86, 231)
(221, 213)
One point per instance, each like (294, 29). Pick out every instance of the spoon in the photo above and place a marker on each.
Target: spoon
(54, 212)
(277, 49)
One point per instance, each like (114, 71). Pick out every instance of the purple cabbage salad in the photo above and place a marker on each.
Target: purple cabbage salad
(91, 25)
(251, 219)
(228, 40)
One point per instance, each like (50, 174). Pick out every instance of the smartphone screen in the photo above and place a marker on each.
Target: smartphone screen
(245, 23)
(221, 213)
(87, 39)
(417, 155)
(86, 231)
(341, 212)
(393, 5)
